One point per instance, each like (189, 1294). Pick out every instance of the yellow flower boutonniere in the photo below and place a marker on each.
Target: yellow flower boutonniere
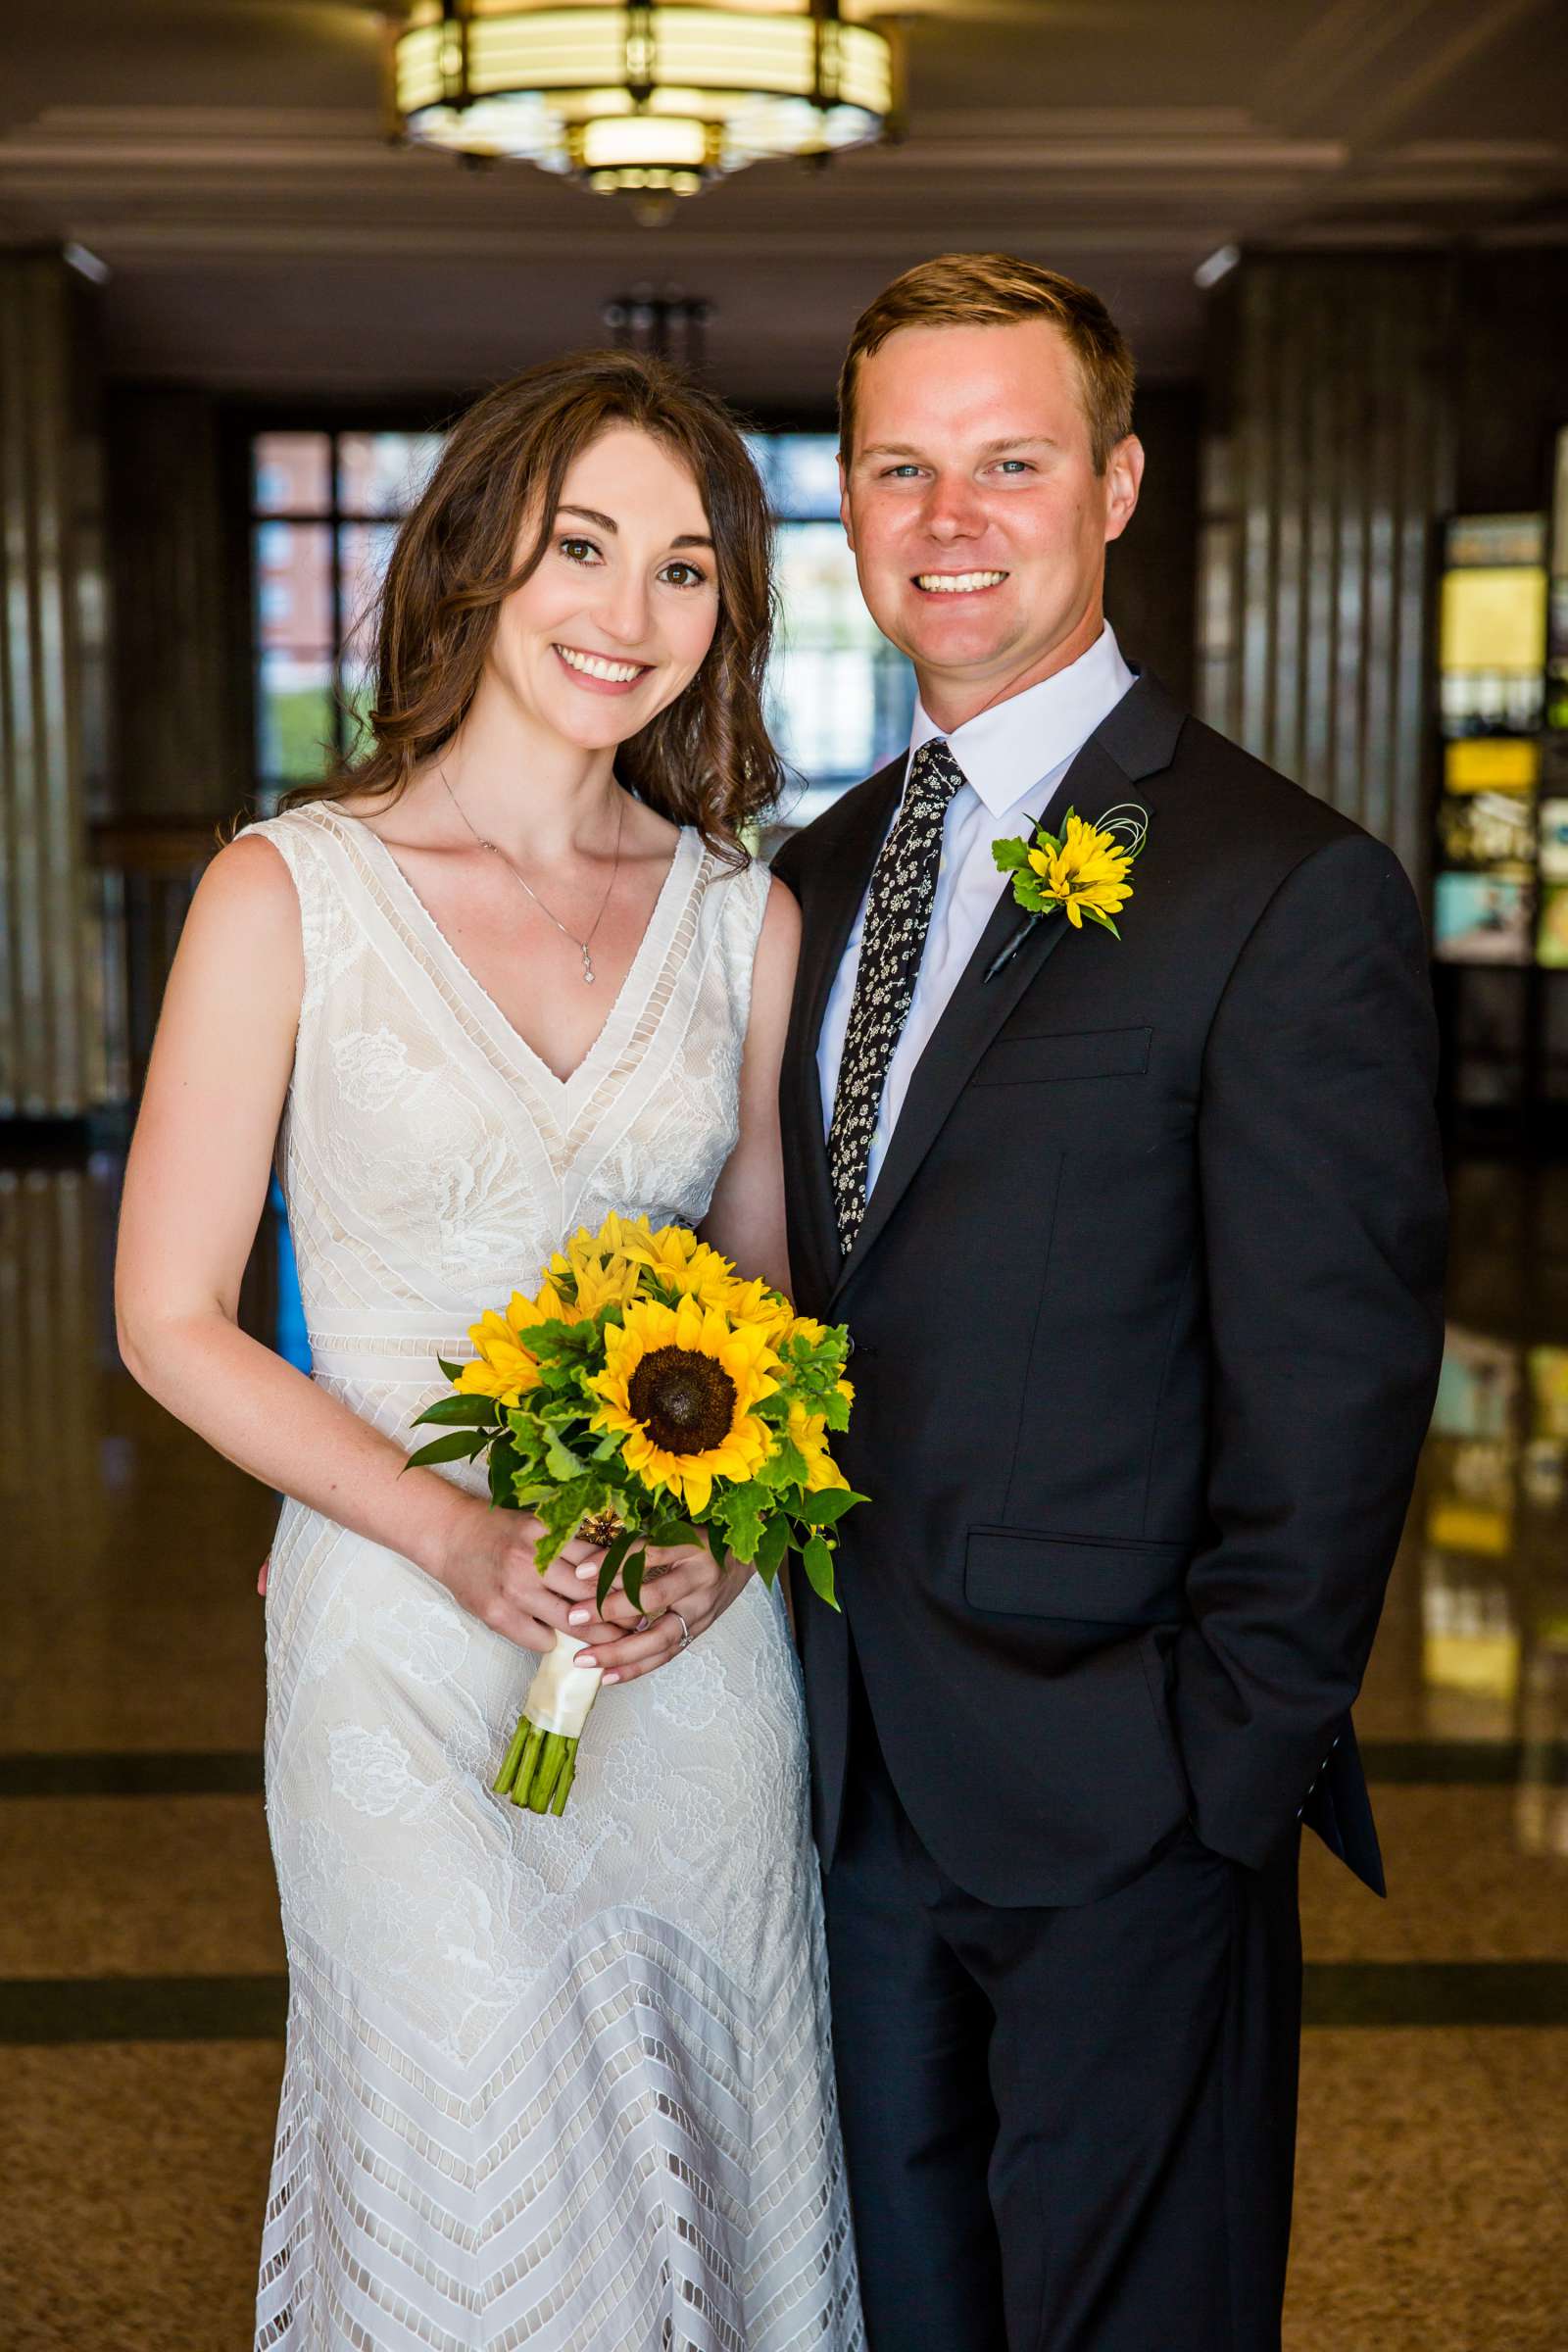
(1081, 872)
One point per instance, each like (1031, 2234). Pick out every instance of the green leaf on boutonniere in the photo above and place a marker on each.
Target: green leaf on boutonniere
(1098, 915)
(1011, 854)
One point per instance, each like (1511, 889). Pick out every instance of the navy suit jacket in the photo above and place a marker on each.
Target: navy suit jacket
(1147, 1321)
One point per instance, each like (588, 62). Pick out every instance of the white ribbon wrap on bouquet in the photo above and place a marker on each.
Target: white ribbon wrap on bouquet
(561, 1695)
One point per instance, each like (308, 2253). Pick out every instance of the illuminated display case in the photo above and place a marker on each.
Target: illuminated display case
(1499, 900)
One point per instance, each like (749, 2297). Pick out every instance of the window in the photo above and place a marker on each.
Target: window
(325, 508)
(325, 512)
(840, 698)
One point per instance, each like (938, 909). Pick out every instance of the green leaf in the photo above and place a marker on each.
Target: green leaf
(502, 1472)
(829, 1506)
(633, 1570)
(462, 1447)
(472, 1412)
(775, 1544)
(610, 1567)
(836, 1410)
(672, 1532)
(1098, 915)
(819, 1562)
(793, 1463)
(1009, 854)
(452, 1372)
(559, 1460)
(560, 1512)
(739, 1514)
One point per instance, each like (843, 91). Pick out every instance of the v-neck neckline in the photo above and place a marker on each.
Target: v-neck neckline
(647, 951)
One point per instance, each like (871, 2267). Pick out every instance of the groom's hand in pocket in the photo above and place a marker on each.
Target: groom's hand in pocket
(684, 1584)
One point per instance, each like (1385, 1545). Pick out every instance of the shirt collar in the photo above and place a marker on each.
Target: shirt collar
(1006, 750)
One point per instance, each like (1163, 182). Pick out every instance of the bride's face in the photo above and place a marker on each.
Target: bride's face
(615, 619)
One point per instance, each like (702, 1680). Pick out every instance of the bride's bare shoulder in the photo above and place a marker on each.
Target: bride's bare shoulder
(247, 899)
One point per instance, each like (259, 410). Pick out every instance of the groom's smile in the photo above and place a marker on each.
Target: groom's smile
(957, 583)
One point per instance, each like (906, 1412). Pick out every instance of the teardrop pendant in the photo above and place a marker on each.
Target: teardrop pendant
(587, 968)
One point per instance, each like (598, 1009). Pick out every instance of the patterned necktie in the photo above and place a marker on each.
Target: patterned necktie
(891, 945)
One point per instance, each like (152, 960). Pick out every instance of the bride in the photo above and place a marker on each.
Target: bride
(563, 2083)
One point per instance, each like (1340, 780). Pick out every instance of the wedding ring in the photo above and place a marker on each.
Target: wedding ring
(685, 1631)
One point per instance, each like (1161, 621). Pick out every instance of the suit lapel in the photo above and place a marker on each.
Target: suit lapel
(1136, 740)
(828, 912)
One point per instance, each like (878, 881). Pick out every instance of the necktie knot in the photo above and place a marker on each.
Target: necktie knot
(934, 774)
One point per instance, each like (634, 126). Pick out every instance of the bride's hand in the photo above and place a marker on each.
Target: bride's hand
(685, 1583)
(487, 1565)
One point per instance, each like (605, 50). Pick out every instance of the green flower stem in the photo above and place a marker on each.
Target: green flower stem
(545, 1773)
(529, 1765)
(513, 1757)
(568, 1773)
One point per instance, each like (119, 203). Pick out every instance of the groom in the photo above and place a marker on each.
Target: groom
(1139, 1241)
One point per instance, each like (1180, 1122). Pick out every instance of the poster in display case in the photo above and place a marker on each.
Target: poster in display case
(1494, 605)
(1482, 918)
(1487, 831)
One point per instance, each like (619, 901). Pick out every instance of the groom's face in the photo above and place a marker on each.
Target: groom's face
(977, 519)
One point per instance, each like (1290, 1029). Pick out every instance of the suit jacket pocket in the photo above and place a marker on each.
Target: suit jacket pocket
(1073, 1054)
(1087, 1580)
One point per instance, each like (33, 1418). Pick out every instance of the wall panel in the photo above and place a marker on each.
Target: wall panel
(1330, 466)
(51, 646)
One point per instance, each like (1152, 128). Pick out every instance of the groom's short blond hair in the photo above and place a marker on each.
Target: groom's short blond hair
(997, 289)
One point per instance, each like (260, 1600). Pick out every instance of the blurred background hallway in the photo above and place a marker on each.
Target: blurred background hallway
(234, 317)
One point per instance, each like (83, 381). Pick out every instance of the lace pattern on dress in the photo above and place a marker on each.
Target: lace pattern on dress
(555, 2084)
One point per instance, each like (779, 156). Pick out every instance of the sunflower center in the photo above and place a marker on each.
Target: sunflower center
(685, 1402)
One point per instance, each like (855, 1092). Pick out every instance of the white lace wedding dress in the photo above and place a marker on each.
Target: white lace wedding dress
(555, 2084)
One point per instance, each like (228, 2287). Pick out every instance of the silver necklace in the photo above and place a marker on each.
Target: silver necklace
(582, 946)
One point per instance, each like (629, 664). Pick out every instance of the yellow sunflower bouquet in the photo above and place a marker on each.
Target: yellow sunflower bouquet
(647, 1395)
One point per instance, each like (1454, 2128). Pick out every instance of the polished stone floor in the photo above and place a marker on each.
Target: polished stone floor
(141, 1992)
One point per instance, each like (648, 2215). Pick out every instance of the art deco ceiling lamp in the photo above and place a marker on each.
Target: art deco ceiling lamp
(659, 97)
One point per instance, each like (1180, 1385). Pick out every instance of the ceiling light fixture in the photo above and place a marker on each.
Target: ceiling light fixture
(656, 98)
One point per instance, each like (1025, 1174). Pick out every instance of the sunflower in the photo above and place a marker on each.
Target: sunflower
(506, 1365)
(810, 1433)
(759, 1308)
(595, 1269)
(1088, 874)
(679, 1260)
(504, 1368)
(680, 1383)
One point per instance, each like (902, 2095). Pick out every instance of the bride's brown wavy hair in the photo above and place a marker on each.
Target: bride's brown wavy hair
(706, 760)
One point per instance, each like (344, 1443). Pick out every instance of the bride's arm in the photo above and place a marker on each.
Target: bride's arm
(746, 1216)
(746, 1221)
(195, 1188)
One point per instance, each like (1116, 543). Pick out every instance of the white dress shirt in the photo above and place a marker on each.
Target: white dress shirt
(1014, 756)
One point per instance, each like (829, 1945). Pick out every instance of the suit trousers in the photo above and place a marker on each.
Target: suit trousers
(1068, 2130)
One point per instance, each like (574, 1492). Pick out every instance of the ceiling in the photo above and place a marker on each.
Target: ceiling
(228, 161)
